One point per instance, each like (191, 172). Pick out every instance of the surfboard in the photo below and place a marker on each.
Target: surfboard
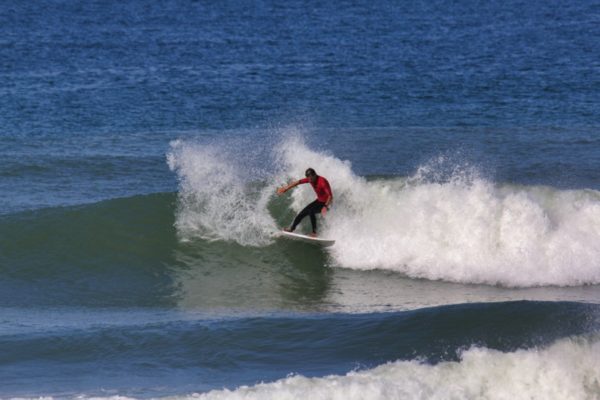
(307, 239)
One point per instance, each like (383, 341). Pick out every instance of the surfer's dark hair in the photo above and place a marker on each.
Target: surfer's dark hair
(310, 172)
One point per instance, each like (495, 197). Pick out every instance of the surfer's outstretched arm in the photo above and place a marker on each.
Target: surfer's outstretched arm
(284, 189)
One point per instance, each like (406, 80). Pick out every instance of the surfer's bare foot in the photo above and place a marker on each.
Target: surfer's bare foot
(287, 230)
(313, 235)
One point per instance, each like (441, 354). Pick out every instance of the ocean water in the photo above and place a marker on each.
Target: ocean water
(141, 145)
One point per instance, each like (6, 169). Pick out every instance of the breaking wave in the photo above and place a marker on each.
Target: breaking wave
(445, 222)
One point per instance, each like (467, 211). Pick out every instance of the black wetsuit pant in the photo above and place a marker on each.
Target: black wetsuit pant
(313, 208)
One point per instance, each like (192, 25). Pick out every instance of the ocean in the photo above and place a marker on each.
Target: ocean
(142, 144)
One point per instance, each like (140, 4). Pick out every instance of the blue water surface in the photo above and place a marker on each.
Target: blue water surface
(79, 67)
(92, 93)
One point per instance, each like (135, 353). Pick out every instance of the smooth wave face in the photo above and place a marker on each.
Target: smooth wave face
(115, 252)
(445, 222)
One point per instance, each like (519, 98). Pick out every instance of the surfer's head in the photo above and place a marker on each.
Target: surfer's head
(311, 174)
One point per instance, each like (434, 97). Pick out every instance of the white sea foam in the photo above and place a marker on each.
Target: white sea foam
(471, 232)
(569, 369)
(215, 201)
(444, 222)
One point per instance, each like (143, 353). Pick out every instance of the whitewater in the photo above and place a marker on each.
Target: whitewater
(568, 369)
(444, 222)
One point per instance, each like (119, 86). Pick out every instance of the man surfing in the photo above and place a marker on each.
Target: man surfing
(320, 205)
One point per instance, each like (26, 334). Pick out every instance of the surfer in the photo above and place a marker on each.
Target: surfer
(320, 205)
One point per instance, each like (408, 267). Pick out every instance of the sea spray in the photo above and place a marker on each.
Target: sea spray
(445, 222)
(216, 198)
(226, 187)
(294, 157)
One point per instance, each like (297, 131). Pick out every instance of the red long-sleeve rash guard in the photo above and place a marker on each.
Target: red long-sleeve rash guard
(321, 187)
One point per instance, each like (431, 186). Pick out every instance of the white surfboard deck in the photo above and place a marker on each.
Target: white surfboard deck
(307, 239)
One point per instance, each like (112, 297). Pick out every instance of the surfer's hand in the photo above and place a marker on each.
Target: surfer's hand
(281, 190)
(324, 210)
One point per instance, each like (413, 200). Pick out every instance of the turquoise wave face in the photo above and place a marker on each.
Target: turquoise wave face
(113, 252)
(127, 252)
(130, 253)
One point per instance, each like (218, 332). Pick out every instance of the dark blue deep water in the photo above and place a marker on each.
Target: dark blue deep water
(141, 144)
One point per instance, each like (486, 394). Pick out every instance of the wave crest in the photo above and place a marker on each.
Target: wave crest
(215, 201)
(567, 369)
(446, 222)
